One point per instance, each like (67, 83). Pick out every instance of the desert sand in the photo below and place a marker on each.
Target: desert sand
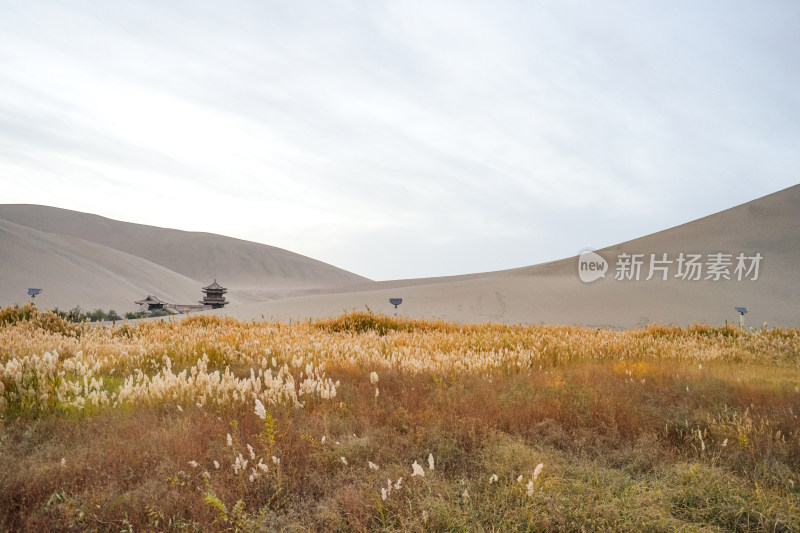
(553, 292)
(171, 264)
(75, 272)
(97, 262)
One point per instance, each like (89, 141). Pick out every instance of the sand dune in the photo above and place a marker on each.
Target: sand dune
(553, 292)
(93, 261)
(252, 271)
(75, 272)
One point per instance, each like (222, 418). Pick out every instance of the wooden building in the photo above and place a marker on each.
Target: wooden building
(151, 303)
(214, 296)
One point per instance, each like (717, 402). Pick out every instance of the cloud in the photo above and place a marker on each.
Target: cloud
(362, 130)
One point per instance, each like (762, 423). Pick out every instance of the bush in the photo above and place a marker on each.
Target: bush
(145, 314)
(363, 321)
(48, 320)
(14, 314)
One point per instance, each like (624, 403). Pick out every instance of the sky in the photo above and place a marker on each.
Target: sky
(401, 139)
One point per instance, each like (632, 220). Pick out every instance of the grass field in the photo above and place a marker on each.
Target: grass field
(371, 423)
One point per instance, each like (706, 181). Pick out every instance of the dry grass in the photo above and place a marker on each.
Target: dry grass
(663, 429)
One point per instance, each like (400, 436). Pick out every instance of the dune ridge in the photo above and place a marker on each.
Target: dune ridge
(197, 255)
(553, 293)
(92, 261)
(74, 272)
(87, 258)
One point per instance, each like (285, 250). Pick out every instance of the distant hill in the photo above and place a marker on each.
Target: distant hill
(74, 272)
(102, 252)
(97, 262)
(553, 293)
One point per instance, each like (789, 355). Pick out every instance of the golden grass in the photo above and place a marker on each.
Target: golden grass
(660, 429)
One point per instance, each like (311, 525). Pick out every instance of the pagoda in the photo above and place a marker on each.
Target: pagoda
(214, 296)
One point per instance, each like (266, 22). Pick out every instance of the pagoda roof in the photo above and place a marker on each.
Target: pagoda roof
(150, 300)
(214, 286)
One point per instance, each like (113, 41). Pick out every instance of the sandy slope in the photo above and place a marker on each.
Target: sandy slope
(93, 261)
(252, 271)
(553, 292)
(75, 272)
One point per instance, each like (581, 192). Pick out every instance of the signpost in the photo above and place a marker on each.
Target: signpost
(395, 302)
(33, 292)
(742, 311)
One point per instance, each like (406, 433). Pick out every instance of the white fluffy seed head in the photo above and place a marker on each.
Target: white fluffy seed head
(260, 410)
